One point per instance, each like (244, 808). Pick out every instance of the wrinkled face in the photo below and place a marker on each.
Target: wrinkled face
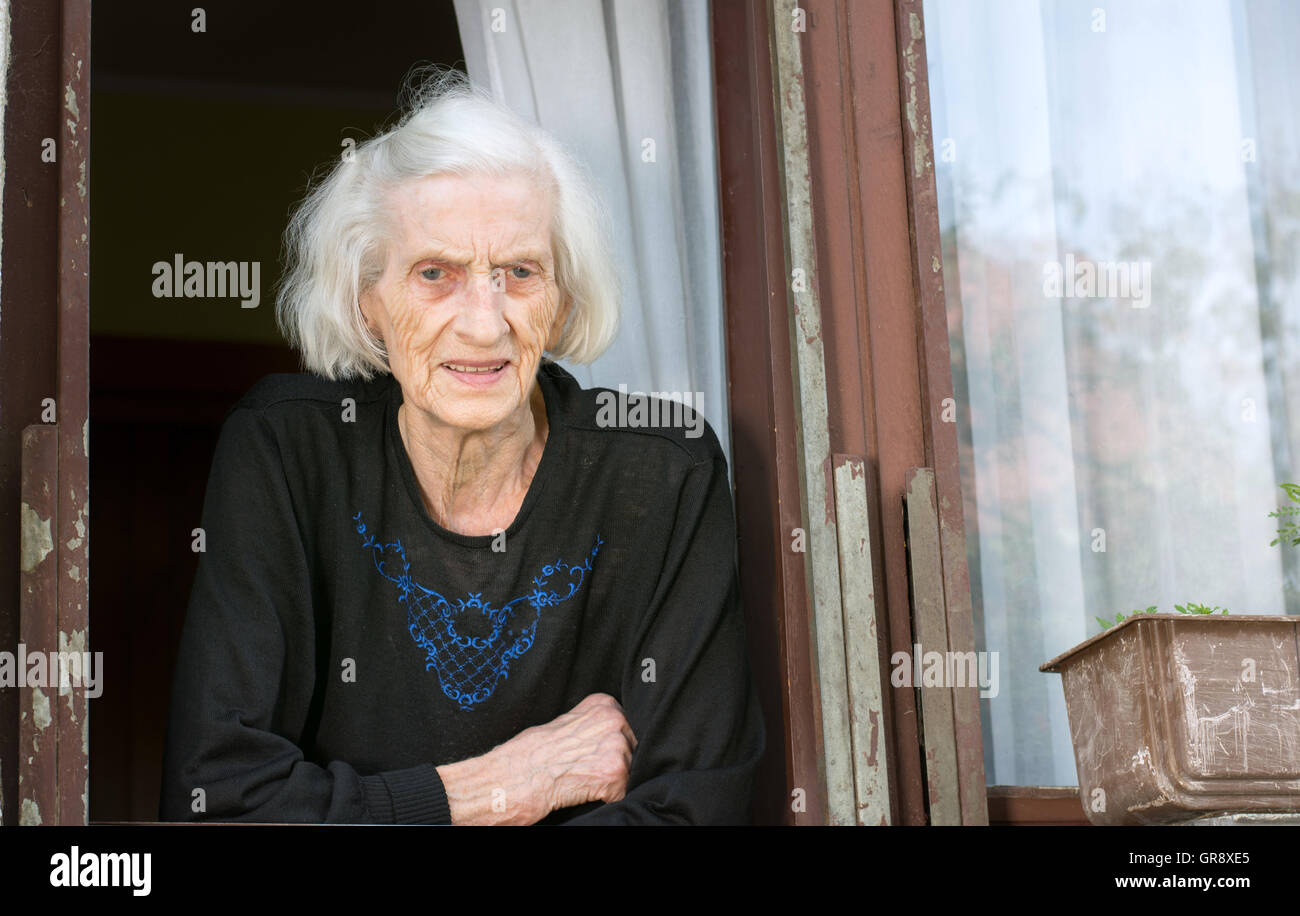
(468, 299)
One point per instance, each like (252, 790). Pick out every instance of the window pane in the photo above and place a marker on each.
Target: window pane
(1120, 209)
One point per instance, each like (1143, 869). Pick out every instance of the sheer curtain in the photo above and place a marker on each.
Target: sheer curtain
(1120, 447)
(628, 86)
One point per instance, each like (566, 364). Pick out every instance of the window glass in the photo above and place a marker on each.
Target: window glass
(1119, 194)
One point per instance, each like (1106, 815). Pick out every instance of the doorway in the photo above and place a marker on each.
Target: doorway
(206, 131)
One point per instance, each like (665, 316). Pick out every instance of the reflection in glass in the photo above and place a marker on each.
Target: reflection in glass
(1122, 437)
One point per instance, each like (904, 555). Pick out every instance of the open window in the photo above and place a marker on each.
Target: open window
(206, 129)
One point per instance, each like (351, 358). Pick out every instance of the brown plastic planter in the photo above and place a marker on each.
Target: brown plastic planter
(1168, 723)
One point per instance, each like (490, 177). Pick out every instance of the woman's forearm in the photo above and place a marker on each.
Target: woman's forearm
(493, 789)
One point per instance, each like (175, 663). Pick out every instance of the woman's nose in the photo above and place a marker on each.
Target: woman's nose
(480, 319)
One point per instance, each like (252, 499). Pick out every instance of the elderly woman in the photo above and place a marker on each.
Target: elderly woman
(436, 588)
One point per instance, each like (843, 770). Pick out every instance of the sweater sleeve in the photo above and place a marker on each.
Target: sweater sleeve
(687, 689)
(246, 670)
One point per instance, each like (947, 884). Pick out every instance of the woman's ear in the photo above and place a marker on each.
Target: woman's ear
(366, 305)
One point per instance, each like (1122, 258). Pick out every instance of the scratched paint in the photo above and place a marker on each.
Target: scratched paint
(1175, 717)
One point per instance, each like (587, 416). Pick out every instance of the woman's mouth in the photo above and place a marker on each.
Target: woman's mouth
(477, 373)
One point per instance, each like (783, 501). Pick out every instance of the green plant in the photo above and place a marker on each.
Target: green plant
(1190, 607)
(1120, 617)
(1290, 531)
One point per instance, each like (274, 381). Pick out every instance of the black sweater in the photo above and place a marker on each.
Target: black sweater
(340, 644)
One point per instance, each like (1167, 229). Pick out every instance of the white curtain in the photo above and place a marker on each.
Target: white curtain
(609, 78)
(1116, 453)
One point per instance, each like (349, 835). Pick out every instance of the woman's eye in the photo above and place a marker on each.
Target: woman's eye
(515, 272)
(432, 270)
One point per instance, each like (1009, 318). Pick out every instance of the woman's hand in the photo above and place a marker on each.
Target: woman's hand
(581, 756)
(586, 753)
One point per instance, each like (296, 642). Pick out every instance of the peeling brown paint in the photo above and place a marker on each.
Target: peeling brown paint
(919, 126)
(40, 709)
(72, 643)
(865, 683)
(70, 103)
(56, 776)
(30, 814)
(36, 539)
(80, 525)
(809, 366)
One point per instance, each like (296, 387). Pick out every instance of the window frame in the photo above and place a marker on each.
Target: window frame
(885, 337)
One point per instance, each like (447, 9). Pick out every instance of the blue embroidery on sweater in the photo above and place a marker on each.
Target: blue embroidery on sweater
(469, 668)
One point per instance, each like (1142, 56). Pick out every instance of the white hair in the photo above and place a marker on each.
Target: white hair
(336, 241)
